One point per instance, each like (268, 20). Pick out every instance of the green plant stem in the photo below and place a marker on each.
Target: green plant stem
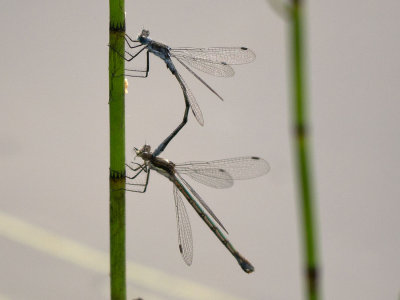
(301, 143)
(117, 150)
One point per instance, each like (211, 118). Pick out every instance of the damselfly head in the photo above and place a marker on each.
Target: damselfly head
(145, 149)
(145, 33)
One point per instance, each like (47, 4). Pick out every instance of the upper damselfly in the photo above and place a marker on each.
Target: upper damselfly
(216, 61)
(217, 174)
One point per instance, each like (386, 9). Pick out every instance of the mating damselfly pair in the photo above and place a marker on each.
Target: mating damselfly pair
(216, 61)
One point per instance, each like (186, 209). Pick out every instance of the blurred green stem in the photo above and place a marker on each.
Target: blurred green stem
(117, 150)
(302, 151)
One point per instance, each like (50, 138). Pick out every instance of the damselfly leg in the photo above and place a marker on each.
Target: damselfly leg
(127, 39)
(140, 71)
(138, 170)
(132, 56)
(141, 167)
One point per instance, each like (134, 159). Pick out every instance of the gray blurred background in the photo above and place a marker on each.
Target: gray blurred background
(54, 153)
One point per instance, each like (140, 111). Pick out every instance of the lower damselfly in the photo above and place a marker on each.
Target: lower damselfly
(217, 174)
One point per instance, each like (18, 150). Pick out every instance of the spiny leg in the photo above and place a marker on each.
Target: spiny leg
(132, 40)
(140, 184)
(136, 54)
(131, 57)
(143, 71)
(140, 166)
(127, 38)
(132, 47)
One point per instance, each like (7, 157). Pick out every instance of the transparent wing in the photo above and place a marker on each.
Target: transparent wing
(210, 67)
(238, 168)
(225, 55)
(191, 99)
(202, 202)
(184, 231)
(212, 177)
(199, 78)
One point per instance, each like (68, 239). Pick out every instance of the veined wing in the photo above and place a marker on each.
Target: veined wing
(184, 230)
(238, 168)
(225, 55)
(191, 99)
(199, 78)
(218, 69)
(202, 202)
(211, 176)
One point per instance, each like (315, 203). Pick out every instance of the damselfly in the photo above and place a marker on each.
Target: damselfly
(216, 61)
(217, 174)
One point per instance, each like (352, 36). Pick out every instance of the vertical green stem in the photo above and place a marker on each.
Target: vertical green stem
(117, 150)
(301, 143)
